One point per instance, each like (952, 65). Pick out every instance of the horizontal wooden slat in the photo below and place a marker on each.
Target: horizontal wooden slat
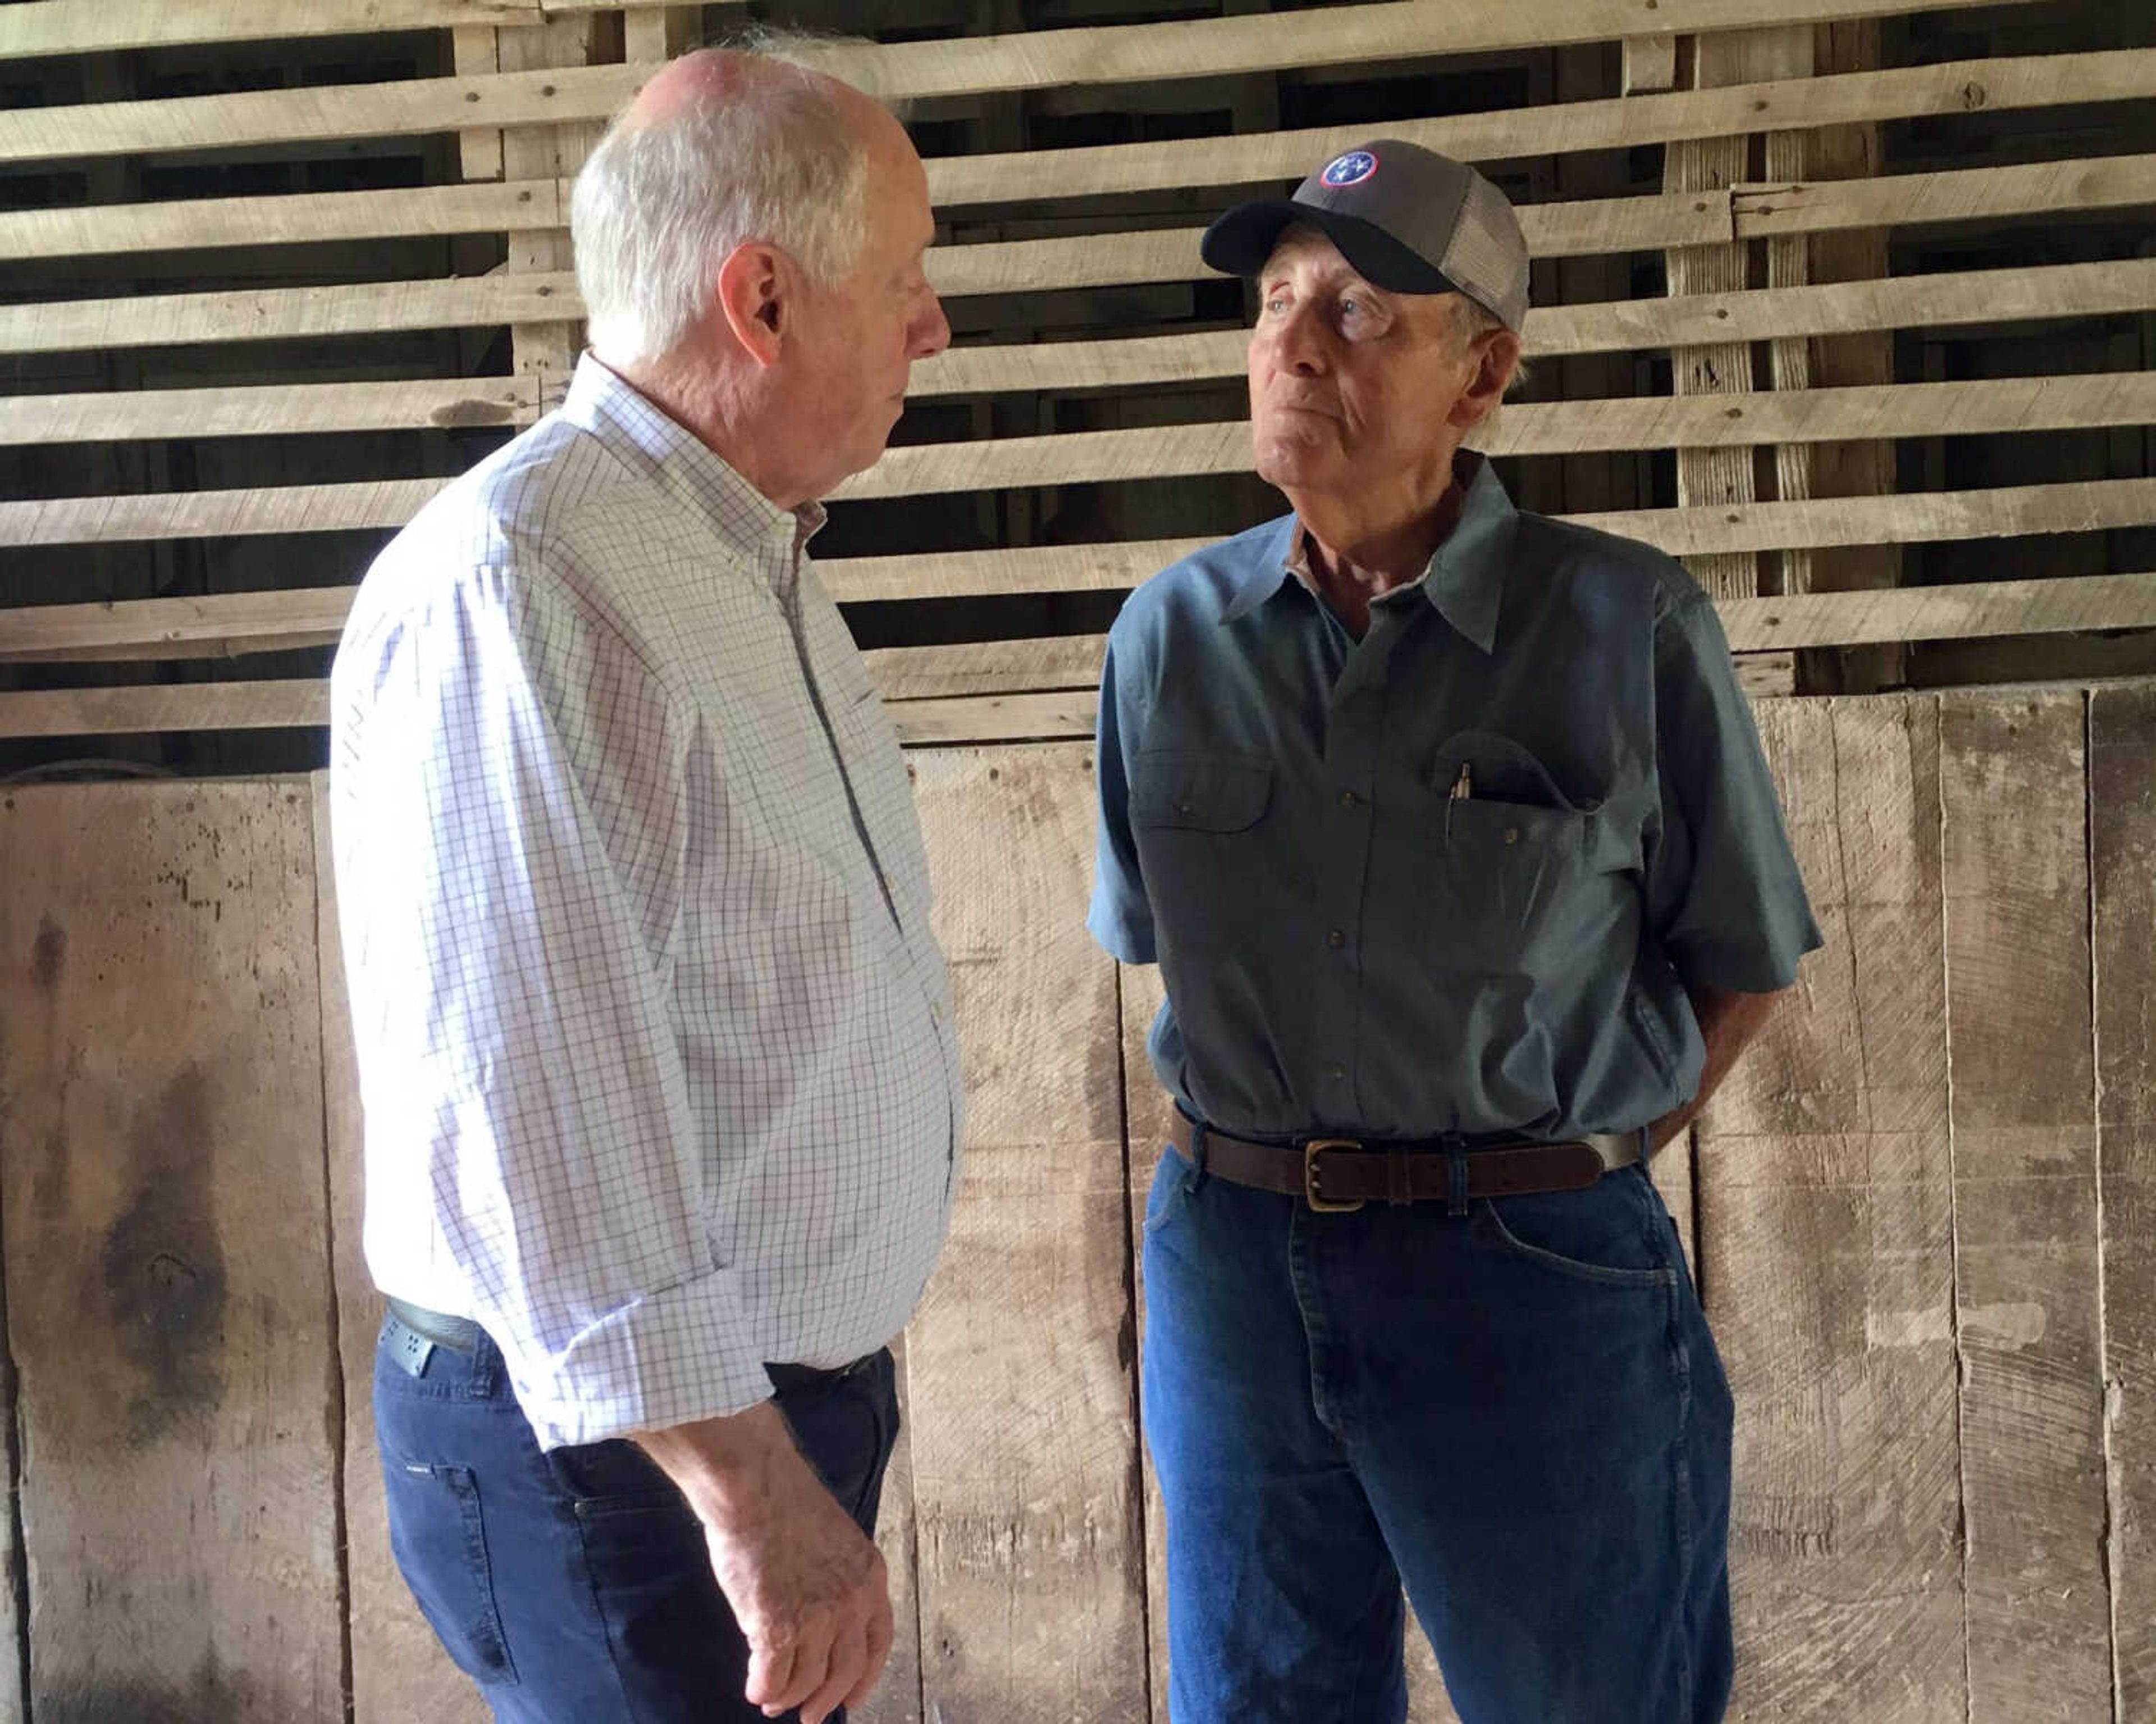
(1956, 87)
(1847, 308)
(2066, 605)
(43, 26)
(1920, 301)
(214, 514)
(215, 625)
(303, 702)
(1913, 517)
(965, 667)
(428, 403)
(289, 219)
(230, 625)
(2123, 74)
(287, 313)
(1960, 194)
(1910, 518)
(1995, 404)
(1027, 60)
(166, 707)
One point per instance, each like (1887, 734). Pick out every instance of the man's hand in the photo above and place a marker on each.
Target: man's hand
(807, 1586)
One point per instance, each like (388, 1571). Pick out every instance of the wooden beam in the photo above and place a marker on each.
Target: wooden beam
(166, 707)
(2066, 605)
(1026, 60)
(427, 403)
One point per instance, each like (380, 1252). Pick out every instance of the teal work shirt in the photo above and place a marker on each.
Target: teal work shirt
(1453, 877)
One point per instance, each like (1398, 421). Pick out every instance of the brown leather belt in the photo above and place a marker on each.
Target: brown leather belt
(1337, 1174)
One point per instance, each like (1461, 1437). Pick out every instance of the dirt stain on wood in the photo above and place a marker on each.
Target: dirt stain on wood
(48, 955)
(163, 1269)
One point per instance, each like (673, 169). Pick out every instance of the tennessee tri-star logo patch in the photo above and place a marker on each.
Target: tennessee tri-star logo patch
(1350, 169)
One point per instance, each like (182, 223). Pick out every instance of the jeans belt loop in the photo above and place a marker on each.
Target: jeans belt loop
(1456, 1153)
(1197, 1156)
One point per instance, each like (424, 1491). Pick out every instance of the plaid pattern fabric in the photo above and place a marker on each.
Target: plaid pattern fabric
(655, 1046)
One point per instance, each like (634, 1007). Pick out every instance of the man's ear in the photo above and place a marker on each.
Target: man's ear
(1496, 356)
(756, 295)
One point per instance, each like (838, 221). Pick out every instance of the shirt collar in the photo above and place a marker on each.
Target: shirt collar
(637, 428)
(1465, 578)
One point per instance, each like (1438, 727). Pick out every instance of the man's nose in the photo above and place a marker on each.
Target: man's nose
(931, 332)
(1298, 343)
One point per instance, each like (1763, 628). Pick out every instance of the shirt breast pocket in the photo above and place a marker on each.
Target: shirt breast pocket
(1199, 792)
(1519, 858)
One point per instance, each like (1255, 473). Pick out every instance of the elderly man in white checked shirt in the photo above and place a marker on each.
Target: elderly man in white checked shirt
(655, 1044)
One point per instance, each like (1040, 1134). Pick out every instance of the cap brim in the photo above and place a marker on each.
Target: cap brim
(1241, 241)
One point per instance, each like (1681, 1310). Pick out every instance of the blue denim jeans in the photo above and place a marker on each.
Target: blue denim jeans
(574, 1586)
(1517, 1412)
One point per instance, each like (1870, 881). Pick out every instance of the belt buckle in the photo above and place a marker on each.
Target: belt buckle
(1311, 1151)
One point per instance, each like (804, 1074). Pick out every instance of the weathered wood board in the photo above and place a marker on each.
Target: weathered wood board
(2027, 1274)
(166, 1260)
(1826, 1235)
(1025, 1444)
(2122, 859)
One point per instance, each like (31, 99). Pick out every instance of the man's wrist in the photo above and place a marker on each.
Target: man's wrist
(725, 1466)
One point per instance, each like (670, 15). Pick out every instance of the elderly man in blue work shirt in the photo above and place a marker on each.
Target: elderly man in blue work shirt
(1450, 830)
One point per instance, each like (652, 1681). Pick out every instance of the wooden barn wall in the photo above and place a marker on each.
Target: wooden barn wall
(1920, 1215)
(1848, 303)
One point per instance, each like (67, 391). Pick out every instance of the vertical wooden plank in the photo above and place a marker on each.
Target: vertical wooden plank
(1025, 1470)
(399, 1673)
(14, 1606)
(545, 350)
(1827, 1238)
(479, 152)
(2123, 855)
(654, 35)
(1855, 469)
(166, 1250)
(2012, 790)
(1713, 476)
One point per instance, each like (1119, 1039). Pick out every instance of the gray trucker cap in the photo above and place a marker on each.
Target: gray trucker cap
(1409, 220)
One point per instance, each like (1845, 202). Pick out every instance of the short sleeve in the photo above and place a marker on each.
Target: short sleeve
(1724, 896)
(1120, 918)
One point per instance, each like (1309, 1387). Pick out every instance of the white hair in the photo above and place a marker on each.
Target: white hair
(661, 202)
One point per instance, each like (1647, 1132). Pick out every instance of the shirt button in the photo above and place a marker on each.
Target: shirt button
(1348, 799)
(1512, 835)
(1336, 939)
(1335, 1070)
(1186, 808)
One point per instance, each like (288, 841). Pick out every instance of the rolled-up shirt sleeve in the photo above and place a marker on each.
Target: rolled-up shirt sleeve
(501, 876)
(1121, 918)
(1725, 898)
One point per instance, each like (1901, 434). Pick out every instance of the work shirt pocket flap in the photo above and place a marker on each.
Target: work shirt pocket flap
(1203, 793)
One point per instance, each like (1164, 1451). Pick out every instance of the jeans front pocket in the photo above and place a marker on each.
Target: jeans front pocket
(1610, 1233)
(437, 1535)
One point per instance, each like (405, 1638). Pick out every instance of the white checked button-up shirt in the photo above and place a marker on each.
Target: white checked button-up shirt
(655, 1046)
